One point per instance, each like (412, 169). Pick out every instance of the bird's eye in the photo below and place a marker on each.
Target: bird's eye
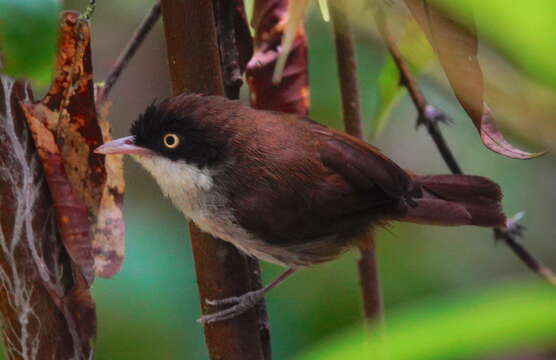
(171, 140)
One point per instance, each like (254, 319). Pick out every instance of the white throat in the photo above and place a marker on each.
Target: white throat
(176, 178)
(187, 185)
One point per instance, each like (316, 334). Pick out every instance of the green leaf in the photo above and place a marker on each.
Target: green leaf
(524, 31)
(493, 321)
(28, 37)
(417, 53)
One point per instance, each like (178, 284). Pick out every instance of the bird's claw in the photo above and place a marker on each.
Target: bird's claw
(226, 301)
(240, 304)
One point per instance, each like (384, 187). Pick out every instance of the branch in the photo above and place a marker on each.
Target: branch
(228, 14)
(347, 68)
(129, 51)
(231, 71)
(430, 116)
(222, 271)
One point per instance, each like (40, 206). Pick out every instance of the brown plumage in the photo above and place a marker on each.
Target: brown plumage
(285, 188)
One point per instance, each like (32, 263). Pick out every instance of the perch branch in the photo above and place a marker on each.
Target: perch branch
(194, 64)
(129, 51)
(226, 16)
(430, 116)
(347, 69)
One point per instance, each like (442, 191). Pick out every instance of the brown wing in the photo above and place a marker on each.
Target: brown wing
(297, 192)
(362, 164)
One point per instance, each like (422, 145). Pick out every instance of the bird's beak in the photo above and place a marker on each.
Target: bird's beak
(125, 145)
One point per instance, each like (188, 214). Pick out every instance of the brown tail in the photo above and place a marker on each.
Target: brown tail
(457, 200)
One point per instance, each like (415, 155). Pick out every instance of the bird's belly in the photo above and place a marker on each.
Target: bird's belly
(226, 229)
(193, 192)
(208, 210)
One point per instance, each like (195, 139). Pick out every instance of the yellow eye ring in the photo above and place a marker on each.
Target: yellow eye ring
(171, 141)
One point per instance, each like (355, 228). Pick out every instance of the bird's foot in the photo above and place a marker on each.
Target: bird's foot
(239, 305)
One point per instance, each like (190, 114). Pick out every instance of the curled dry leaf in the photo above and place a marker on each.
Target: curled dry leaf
(291, 94)
(66, 120)
(71, 213)
(109, 230)
(456, 48)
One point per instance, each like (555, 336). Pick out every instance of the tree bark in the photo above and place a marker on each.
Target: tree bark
(194, 63)
(35, 270)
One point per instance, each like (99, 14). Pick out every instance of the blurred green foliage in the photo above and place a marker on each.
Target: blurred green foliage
(28, 38)
(523, 30)
(461, 326)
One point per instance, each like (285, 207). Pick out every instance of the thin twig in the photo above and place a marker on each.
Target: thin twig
(430, 116)
(89, 11)
(509, 235)
(127, 53)
(347, 68)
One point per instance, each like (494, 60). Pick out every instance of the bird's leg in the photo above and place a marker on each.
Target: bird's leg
(240, 304)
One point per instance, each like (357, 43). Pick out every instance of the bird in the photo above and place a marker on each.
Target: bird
(286, 189)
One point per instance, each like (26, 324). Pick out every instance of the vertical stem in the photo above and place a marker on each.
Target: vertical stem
(227, 14)
(347, 69)
(194, 63)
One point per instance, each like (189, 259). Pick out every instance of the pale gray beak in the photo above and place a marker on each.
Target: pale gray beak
(123, 145)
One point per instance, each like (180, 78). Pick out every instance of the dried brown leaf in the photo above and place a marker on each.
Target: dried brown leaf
(292, 93)
(456, 48)
(68, 113)
(109, 229)
(71, 213)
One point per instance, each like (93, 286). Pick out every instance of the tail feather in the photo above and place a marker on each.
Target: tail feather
(457, 200)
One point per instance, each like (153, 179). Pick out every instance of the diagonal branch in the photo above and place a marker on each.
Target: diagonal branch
(129, 51)
(429, 116)
(347, 68)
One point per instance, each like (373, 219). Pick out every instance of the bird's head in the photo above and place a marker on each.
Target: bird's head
(178, 137)
(187, 128)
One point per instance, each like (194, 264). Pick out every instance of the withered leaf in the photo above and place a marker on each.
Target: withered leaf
(68, 115)
(71, 213)
(291, 94)
(109, 229)
(456, 48)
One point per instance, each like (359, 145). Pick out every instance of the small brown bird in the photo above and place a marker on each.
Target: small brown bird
(286, 189)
